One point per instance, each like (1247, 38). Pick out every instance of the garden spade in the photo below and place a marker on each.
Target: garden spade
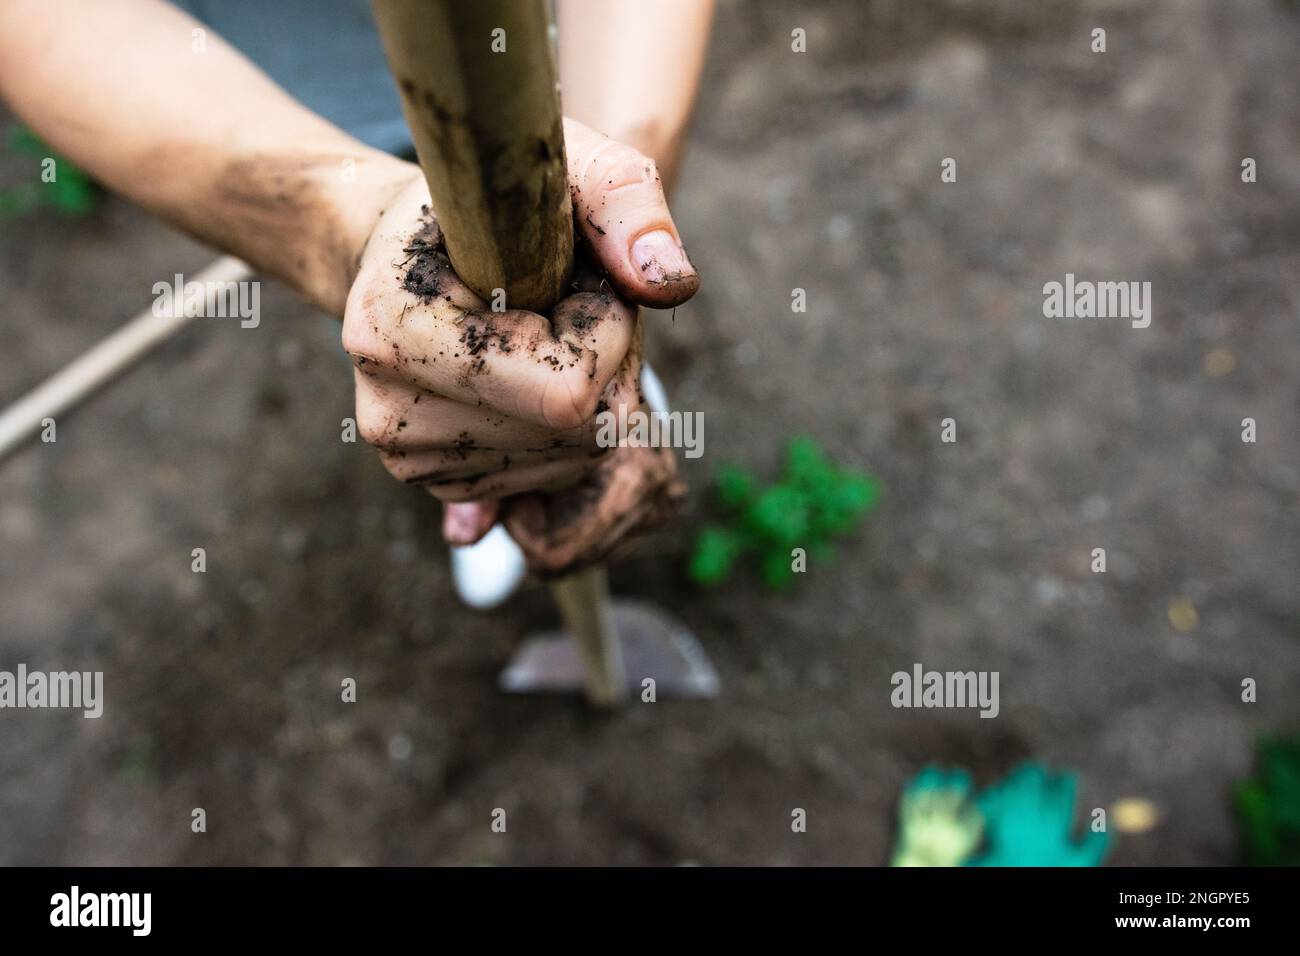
(479, 89)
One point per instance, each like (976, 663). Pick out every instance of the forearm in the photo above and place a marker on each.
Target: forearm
(199, 136)
(631, 70)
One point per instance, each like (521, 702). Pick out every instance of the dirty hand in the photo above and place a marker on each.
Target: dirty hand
(477, 405)
(632, 490)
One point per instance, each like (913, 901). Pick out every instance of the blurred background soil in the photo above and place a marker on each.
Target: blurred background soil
(819, 171)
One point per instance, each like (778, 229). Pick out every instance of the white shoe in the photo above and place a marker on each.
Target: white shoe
(656, 396)
(488, 572)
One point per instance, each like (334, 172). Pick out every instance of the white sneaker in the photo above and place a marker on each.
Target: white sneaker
(656, 396)
(488, 572)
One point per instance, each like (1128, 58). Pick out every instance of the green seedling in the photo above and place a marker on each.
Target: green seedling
(1268, 804)
(61, 185)
(813, 502)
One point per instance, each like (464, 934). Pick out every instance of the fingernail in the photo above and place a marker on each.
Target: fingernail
(661, 258)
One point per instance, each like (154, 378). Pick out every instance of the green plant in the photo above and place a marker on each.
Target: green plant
(813, 502)
(70, 191)
(1268, 804)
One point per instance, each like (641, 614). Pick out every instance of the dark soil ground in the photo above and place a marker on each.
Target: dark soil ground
(818, 171)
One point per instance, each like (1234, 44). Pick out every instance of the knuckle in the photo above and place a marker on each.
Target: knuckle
(357, 336)
(396, 463)
(463, 492)
(450, 494)
(567, 401)
(617, 166)
(376, 423)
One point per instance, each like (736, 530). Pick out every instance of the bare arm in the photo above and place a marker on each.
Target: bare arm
(632, 69)
(200, 137)
(204, 139)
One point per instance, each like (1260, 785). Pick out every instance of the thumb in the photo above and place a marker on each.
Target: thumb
(620, 210)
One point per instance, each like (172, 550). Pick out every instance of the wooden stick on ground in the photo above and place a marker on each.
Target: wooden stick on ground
(70, 385)
(479, 90)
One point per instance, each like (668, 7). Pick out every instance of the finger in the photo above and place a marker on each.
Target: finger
(531, 521)
(600, 323)
(563, 531)
(384, 411)
(501, 484)
(511, 361)
(399, 417)
(467, 522)
(444, 466)
(622, 214)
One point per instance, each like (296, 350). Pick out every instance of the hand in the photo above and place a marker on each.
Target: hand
(478, 405)
(632, 490)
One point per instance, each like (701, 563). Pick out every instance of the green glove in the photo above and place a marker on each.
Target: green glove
(1027, 822)
(938, 824)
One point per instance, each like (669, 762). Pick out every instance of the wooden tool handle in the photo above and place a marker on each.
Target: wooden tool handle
(479, 87)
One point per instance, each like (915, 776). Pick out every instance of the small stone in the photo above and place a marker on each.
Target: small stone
(1095, 507)
(1219, 362)
(293, 541)
(289, 353)
(839, 228)
(746, 353)
(252, 591)
(1048, 590)
(1182, 615)
(1134, 815)
(399, 747)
